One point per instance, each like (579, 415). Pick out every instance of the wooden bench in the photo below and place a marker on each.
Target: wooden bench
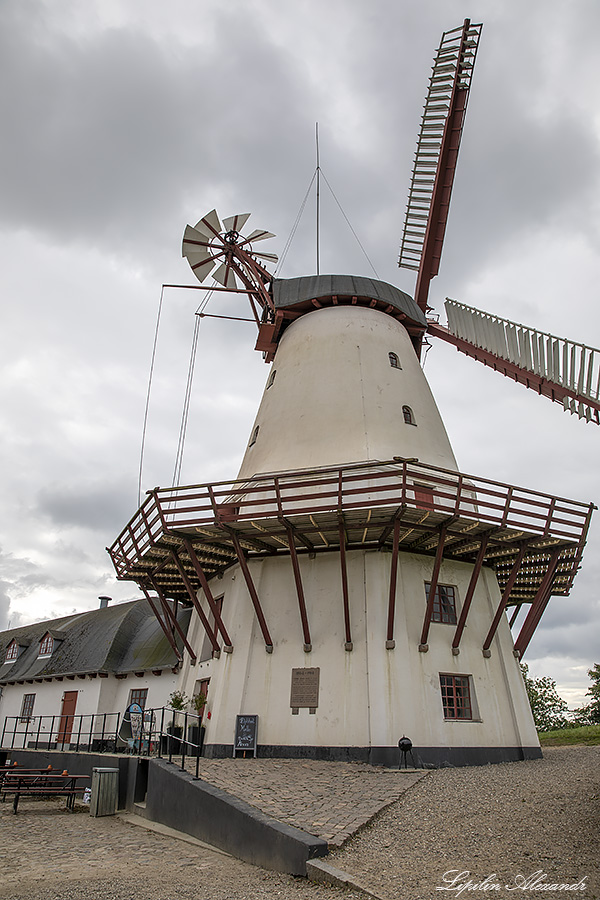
(43, 784)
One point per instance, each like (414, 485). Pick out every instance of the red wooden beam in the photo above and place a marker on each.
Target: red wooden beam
(345, 595)
(192, 595)
(434, 582)
(252, 591)
(470, 591)
(168, 634)
(390, 643)
(538, 606)
(299, 590)
(208, 593)
(172, 617)
(504, 599)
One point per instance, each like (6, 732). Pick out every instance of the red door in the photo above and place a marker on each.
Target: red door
(67, 713)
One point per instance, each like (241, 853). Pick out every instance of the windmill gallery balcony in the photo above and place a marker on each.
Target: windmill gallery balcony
(182, 537)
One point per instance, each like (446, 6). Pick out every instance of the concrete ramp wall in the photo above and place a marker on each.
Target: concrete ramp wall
(204, 811)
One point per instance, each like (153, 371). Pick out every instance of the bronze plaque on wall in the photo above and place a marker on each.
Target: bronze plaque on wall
(305, 688)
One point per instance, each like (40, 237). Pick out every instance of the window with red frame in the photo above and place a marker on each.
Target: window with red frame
(12, 651)
(138, 696)
(456, 696)
(46, 645)
(444, 603)
(27, 707)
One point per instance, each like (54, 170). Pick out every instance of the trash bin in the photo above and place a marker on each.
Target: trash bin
(105, 792)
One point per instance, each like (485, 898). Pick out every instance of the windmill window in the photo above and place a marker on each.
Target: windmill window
(27, 707)
(46, 645)
(409, 416)
(394, 360)
(444, 603)
(12, 651)
(456, 697)
(271, 378)
(254, 437)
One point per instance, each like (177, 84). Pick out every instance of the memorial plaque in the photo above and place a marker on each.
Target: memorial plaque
(305, 688)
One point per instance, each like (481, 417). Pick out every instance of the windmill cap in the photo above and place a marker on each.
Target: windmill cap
(293, 292)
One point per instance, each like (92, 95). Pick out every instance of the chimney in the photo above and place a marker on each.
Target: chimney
(104, 601)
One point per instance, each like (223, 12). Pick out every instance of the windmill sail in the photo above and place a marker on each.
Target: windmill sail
(565, 371)
(436, 155)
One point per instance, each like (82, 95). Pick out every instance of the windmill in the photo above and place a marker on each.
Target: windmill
(351, 585)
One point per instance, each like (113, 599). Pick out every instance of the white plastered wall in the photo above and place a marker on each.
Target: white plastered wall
(369, 696)
(336, 399)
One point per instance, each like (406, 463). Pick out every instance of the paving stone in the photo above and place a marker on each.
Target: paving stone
(331, 800)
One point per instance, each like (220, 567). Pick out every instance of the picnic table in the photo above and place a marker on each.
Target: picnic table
(43, 783)
(21, 770)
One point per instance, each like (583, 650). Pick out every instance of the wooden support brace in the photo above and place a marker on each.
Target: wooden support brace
(504, 600)
(299, 590)
(439, 553)
(342, 532)
(470, 592)
(169, 614)
(192, 595)
(252, 591)
(163, 625)
(208, 593)
(513, 618)
(538, 606)
(390, 643)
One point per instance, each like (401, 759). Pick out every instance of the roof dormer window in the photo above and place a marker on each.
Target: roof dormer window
(46, 645)
(12, 651)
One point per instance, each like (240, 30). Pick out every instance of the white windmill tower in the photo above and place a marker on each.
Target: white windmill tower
(356, 581)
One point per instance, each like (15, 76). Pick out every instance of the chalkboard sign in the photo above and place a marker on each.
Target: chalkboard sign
(246, 731)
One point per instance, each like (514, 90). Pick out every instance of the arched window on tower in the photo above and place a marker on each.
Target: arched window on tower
(254, 436)
(409, 416)
(271, 379)
(394, 360)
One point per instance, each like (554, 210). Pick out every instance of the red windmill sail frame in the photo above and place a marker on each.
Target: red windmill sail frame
(429, 197)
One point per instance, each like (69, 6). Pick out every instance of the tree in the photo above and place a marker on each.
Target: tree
(548, 708)
(590, 713)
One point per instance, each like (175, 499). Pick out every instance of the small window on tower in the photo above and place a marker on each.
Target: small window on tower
(409, 416)
(271, 379)
(444, 603)
(394, 361)
(456, 697)
(254, 436)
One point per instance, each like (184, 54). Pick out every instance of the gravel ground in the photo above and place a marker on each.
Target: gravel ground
(501, 821)
(51, 854)
(505, 821)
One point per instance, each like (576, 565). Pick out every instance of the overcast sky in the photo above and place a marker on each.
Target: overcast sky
(124, 121)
